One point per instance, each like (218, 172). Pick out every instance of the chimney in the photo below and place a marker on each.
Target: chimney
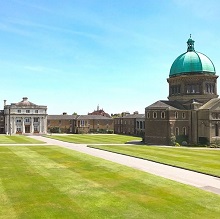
(5, 102)
(64, 113)
(25, 98)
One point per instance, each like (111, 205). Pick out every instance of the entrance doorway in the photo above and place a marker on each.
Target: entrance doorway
(27, 129)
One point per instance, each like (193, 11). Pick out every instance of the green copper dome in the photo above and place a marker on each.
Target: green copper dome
(192, 62)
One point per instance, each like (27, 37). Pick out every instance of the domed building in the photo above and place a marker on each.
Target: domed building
(192, 111)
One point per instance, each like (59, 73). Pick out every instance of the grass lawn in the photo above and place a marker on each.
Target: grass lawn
(54, 182)
(202, 160)
(18, 139)
(95, 138)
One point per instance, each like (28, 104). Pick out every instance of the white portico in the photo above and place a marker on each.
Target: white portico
(25, 118)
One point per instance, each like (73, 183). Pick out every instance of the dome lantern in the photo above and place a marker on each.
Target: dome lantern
(190, 44)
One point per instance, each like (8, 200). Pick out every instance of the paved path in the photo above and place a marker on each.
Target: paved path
(199, 180)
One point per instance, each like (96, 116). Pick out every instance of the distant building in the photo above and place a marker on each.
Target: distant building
(130, 124)
(25, 117)
(99, 112)
(61, 123)
(80, 124)
(192, 112)
(94, 124)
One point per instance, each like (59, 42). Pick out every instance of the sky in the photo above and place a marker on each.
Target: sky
(73, 55)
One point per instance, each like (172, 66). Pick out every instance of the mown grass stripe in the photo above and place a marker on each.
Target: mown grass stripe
(94, 139)
(204, 161)
(6, 210)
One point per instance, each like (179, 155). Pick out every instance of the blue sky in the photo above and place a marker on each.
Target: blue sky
(72, 55)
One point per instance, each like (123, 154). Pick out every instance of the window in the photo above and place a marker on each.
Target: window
(27, 120)
(148, 115)
(137, 125)
(18, 120)
(154, 115)
(35, 128)
(35, 119)
(184, 130)
(183, 115)
(27, 111)
(162, 115)
(18, 129)
(19, 111)
(176, 131)
(141, 125)
(216, 130)
(176, 115)
(192, 88)
(36, 111)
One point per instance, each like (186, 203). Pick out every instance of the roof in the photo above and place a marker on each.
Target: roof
(132, 116)
(98, 117)
(166, 104)
(25, 102)
(61, 117)
(210, 104)
(192, 62)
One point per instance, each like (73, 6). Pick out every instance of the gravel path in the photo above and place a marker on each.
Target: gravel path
(199, 180)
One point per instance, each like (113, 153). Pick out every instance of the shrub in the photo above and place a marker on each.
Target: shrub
(184, 143)
(177, 144)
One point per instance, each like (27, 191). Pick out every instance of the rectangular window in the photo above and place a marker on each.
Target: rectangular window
(18, 129)
(27, 111)
(36, 111)
(27, 120)
(35, 119)
(19, 111)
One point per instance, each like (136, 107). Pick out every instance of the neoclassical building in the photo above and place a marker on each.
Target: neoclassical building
(192, 111)
(25, 117)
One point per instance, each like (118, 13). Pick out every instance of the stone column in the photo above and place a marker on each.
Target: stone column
(40, 129)
(32, 125)
(23, 127)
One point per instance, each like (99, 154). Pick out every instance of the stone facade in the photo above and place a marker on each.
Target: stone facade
(25, 118)
(80, 124)
(94, 124)
(130, 124)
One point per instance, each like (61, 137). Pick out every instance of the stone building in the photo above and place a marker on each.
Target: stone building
(94, 124)
(192, 111)
(61, 123)
(25, 117)
(80, 124)
(130, 124)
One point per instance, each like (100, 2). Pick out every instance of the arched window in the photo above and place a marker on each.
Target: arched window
(184, 130)
(154, 115)
(183, 115)
(148, 115)
(176, 115)
(137, 125)
(176, 131)
(162, 115)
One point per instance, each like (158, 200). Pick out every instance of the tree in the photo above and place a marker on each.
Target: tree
(75, 114)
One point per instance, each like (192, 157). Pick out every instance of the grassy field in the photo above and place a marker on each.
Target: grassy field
(202, 160)
(94, 139)
(18, 139)
(54, 182)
